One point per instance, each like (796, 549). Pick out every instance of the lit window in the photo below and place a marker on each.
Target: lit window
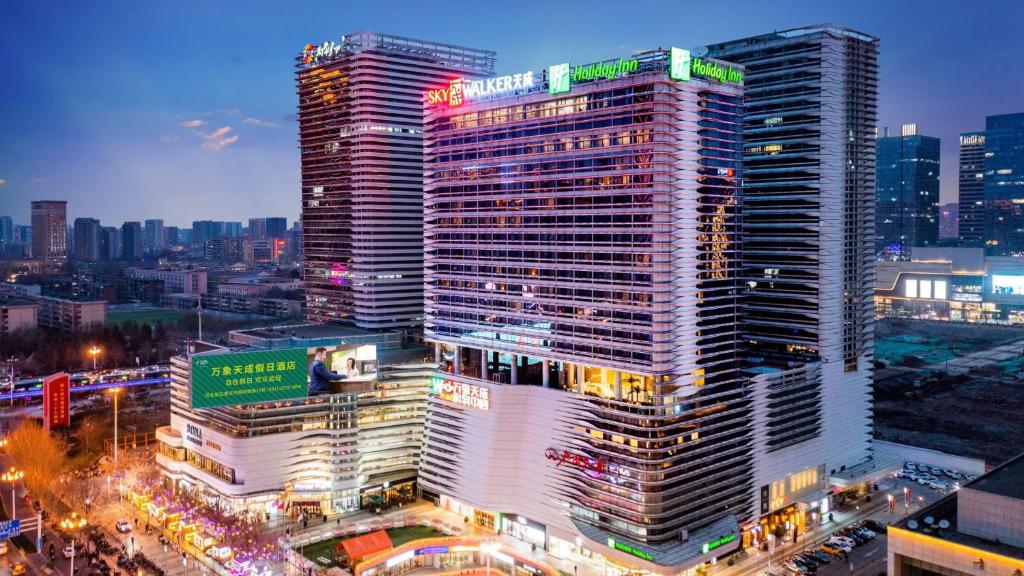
(939, 290)
(910, 288)
(926, 289)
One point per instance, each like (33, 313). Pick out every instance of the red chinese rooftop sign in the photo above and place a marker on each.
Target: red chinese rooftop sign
(57, 401)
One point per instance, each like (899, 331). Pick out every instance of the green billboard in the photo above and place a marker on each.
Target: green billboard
(248, 377)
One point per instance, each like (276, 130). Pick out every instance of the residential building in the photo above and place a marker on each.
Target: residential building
(276, 227)
(258, 228)
(810, 114)
(6, 232)
(49, 231)
(110, 243)
(131, 241)
(87, 239)
(204, 230)
(233, 229)
(154, 236)
(71, 315)
(355, 445)
(1004, 185)
(172, 236)
(971, 189)
(229, 250)
(978, 529)
(360, 129)
(174, 281)
(907, 192)
(582, 279)
(16, 312)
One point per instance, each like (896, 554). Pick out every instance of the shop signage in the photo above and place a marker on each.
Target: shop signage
(561, 77)
(629, 550)
(432, 550)
(709, 546)
(465, 394)
(57, 401)
(972, 140)
(586, 463)
(248, 377)
(459, 89)
(395, 561)
(681, 66)
(213, 444)
(194, 434)
(313, 55)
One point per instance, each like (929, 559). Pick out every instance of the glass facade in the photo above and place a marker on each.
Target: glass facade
(971, 182)
(907, 192)
(1004, 184)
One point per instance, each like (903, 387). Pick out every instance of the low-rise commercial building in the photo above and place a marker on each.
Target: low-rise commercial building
(324, 454)
(958, 284)
(978, 529)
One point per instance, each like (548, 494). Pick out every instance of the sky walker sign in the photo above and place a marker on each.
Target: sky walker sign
(459, 89)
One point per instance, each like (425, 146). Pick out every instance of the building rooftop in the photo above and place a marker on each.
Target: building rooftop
(939, 520)
(307, 331)
(1004, 480)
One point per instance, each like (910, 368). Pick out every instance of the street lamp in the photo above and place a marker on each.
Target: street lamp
(115, 392)
(70, 525)
(94, 351)
(12, 476)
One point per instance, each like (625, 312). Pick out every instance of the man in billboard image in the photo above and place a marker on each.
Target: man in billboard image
(320, 377)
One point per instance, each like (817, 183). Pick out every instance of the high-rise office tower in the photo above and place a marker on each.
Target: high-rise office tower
(582, 289)
(203, 230)
(971, 210)
(154, 236)
(232, 229)
(258, 228)
(110, 243)
(277, 227)
(808, 251)
(87, 239)
(49, 230)
(360, 129)
(171, 236)
(948, 217)
(907, 192)
(131, 241)
(1004, 184)
(6, 231)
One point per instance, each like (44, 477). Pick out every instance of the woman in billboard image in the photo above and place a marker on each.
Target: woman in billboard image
(350, 368)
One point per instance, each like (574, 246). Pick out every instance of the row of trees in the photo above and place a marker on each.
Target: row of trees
(44, 351)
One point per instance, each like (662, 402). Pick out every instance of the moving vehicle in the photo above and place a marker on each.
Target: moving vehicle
(124, 526)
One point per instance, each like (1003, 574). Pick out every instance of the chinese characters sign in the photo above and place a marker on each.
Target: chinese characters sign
(592, 466)
(248, 377)
(464, 394)
(57, 401)
(459, 90)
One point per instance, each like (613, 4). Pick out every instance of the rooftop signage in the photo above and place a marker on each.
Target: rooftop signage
(682, 66)
(629, 550)
(313, 55)
(561, 77)
(589, 465)
(248, 378)
(709, 546)
(459, 90)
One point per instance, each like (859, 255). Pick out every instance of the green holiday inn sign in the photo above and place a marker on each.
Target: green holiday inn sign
(681, 66)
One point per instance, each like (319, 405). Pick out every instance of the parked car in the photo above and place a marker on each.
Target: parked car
(832, 550)
(821, 555)
(124, 526)
(876, 527)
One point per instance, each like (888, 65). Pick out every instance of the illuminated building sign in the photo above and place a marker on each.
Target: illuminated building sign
(463, 394)
(194, 434)
(57, 401)
(709, 546)
(585, 463)
(432, 550)
(313, 55)
(972, 140)
(682, 67)
(248, 377)
(630, 550)
(459, 89)
(561, 77)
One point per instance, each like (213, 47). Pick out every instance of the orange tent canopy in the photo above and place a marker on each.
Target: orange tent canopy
(362, 546)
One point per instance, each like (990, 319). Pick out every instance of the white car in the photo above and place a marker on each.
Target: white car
(937, 485)
(840, 545)
(845, 540)
(124, 526)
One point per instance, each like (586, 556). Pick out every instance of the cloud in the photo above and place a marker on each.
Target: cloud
(219, 139)
(3, 181)
(193, 123)
(38, 180)
(260, 123)
(169, 138)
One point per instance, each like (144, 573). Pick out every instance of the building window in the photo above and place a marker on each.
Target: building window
(910, 288)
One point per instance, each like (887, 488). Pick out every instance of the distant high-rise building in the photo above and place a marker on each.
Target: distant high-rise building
(276, 227)
(87, 239)
(154, 236)
(906, 191)
(172, 236)
(948, 220)
(362, 174)
(6, 231)
(110, 243)
(232, 229)
(49, 230)
(203, 230)
(131, 241)
(258, 228)
(1004, 184)
(971, 191)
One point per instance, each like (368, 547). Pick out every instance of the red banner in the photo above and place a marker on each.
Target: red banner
(57, 401)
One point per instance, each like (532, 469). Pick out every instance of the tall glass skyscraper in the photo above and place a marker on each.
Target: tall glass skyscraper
(361, 132)
(1004, 183)
(971, 190)
(810, 118)
(907, 192)
(87, 239)
(49, 230)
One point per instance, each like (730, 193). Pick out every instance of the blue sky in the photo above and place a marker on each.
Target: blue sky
(185, 110)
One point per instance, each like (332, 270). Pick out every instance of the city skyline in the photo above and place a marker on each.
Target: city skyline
(221, 101)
